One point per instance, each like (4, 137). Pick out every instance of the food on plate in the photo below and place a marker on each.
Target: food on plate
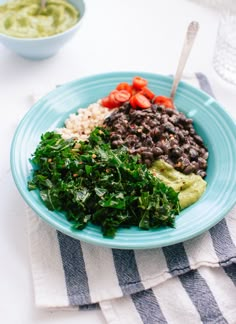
(189, 186)
(26, 19)
(159, 133)
(79, 125)
(94, 183)
(127, 160)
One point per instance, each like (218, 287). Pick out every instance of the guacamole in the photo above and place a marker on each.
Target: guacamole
(25, 18)
(190, 187)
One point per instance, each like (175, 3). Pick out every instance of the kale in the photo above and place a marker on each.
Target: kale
(94, 183)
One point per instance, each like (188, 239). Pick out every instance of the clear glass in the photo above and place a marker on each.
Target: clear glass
(224, 59)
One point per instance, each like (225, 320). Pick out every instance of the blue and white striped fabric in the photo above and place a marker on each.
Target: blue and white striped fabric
(191, 282)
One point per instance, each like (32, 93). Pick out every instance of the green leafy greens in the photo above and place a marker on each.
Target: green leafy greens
(94, 183)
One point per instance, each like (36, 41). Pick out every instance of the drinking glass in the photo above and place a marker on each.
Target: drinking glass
(224, 58)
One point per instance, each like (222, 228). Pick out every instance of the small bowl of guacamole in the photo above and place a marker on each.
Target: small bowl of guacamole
(35, 32)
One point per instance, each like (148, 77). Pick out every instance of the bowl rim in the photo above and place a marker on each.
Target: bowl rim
(41, 39)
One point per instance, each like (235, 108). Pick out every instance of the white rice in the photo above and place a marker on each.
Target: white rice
(79, 125)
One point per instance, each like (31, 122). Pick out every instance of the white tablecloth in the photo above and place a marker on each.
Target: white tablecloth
(116, 35)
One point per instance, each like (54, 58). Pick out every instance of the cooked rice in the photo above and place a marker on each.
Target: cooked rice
(79, 125)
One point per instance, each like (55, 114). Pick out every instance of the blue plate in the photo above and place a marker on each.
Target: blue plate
(211, 122)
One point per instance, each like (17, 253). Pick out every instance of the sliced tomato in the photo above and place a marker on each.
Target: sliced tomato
(165, 101)
(106, 102)
(133, 102)
(124, 86)
(122, 96)
(147, 93)
(112, 98)
(134, 91)
(141, 101)
(139, 83)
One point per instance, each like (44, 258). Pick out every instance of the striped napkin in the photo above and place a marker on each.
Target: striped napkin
(191, 282)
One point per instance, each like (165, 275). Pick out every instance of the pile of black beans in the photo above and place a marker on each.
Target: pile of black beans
(159, 133)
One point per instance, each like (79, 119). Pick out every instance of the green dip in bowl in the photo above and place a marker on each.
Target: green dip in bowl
(26, 18)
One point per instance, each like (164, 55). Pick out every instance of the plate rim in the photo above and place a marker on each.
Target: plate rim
(112, 243)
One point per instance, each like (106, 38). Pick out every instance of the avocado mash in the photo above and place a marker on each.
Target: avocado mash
(190, 187)
(25, 18)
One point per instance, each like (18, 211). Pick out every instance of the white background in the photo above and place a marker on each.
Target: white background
(116, 35)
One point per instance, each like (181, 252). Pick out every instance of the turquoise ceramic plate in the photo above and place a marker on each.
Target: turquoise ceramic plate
(211, 121)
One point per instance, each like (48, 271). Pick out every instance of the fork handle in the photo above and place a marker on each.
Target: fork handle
(188, 43)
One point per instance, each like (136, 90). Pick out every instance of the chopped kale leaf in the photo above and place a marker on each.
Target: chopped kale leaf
(94, 183)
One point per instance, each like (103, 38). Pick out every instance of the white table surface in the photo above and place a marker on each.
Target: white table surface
(117, 35)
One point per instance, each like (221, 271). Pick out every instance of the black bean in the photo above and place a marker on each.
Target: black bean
(205, 156)
(154, 108)
(138, 144)
(157, 151)
(186, 147)
(148, 141)
(198, 139)
(115, 144)
(146, 128)
(152, 123)
(181, 136)
(175, 152)
(169, 161)
(162, 128)
(183, 161)
(131, 139)
(193, 154)
(195, 164)
(174, 119)
(201, 173)
(115, 136)
(164, 119)
(164, 147)
(181, 118)
(190, 129)
(188, 121)
(169, 111)
(173, 142)
(147, 155)
(135, 113)
(185, 155)
(170, 127)
(119, 128)
(126, 106)
(202, 150)
(189, 169)
(202, 163)
(160, 109)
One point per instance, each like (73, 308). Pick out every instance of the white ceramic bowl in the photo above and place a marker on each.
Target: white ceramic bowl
(42, 48)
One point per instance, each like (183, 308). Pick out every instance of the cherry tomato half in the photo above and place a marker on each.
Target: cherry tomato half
(147, 93)
(122, 96)
(139, 83)
(132, 102)
(141, 101)
(165, 101)
(106, 102)
(124, 86)
(112, 98)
